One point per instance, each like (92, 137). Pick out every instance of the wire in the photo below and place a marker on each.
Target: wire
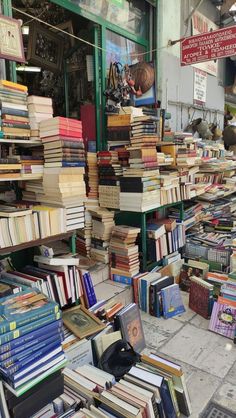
(80, 39)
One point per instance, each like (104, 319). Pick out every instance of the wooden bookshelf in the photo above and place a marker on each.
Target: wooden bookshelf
(37, 242)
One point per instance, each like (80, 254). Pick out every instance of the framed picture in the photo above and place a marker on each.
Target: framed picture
(67, 27)
(11, 45)
(45, 48)
(81, 322)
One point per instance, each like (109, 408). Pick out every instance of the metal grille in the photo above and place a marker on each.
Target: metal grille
(215, 411)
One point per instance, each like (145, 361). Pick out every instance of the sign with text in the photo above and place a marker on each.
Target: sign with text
(209, 46)
(200, 87)
(201, 24)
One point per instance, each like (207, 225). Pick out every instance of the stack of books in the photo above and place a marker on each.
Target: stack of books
(33, 191)
(31, 166)
(192, 214)
(63, 179)
(40, 108)
(14, 111)
(10, 168)
(144, 131)
(84, 236)
(102, 225)
(124, 253)
(30, 341)
(110, 171)
(91, 177)
(170, 187)
(63, 142)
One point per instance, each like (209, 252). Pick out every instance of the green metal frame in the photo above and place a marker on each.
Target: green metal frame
(140, 219)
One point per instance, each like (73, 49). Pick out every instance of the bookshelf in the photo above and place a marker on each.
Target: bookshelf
(22, 142)
(140, 219)
(67, 235)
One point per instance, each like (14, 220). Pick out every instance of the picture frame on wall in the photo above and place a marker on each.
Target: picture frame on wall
(45, 48)
(11, 45)
(67, 27)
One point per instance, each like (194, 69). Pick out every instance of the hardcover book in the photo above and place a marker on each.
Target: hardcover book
(131, 326)
(172, 301)
(223, 319)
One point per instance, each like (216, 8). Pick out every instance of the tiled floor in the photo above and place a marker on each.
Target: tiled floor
(208, 360)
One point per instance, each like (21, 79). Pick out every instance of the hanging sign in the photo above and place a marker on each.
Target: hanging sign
(201, 24)
(11, 45)
(209, 46)
(200, 87)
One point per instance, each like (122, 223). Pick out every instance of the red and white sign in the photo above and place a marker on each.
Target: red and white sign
(209, 46)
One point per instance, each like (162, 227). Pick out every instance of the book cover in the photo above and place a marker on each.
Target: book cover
(12, 335)
(131, 327)
(22, 308)
(172, 301)
(200, 297)
(155, 297)
(223, 320)
(92, 291)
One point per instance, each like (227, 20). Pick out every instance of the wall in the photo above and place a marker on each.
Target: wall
(175, 83)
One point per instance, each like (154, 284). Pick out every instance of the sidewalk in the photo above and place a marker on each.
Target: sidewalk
(208, 359)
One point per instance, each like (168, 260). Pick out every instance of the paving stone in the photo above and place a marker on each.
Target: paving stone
(188, 314)
(202, 349)
(226, 396)
(231, 375)
(200, 322)
(158, 330)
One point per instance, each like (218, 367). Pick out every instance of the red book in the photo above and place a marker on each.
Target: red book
(199, 299)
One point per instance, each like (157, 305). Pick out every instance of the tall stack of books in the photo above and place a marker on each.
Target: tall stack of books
(102, 225)
(40, 108)
(84, 236)
(33, 191)
(14, 111)
(124, 253)
(63, 179)
(91, 176)
(31, 166)
(30, 341)
(110, 171)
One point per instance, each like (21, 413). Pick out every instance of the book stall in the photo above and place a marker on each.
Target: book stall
(93, 238)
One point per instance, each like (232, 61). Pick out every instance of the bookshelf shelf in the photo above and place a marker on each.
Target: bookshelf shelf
(20, 178)
(29, 244)
(20, 142)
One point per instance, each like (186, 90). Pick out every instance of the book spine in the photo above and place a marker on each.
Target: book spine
(14, 112)
(122, 279)
(71, 164)
(87, 290)
(7, 326)
(12, 335)
(24, 363)
(167, 401)
(152, 300)
(92, 291)
(143, 295)
(11, 356)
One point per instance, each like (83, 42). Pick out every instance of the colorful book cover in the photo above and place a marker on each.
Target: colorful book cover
(172, 301)
(23, 308)
(122, 279)
(131, 327)
(223, 320)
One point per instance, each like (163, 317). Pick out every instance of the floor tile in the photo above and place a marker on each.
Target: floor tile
(201, 387)
(226, 396)
(200, 322)
(202, 349)
(231, 375)
(158, 330)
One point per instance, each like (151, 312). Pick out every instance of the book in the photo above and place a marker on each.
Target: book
(172, 301)
(155, 296)
(130, 323)
(201, 297)
(24, 308)
(223, 319)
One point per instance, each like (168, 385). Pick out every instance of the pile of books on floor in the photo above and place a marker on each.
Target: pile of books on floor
(165, 237)
(110, 171)
(154, 387)
(124, 253)
(14, 111)
(19, 225)
(102, 225)
(40, 108)
(30, 344)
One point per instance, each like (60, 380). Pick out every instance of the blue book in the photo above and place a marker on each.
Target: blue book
(72, 164)
(26, 329)
(18, 356)
(167, 401)
(24, 363)
(172, 301)
(92, 292)
(36, 368)
(23, 308)
(122, 279)
(33, 337)
(14, 112)
(87, 290)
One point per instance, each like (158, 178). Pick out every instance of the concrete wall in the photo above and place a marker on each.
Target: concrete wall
(176, 83)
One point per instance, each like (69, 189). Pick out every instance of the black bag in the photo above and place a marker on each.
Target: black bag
(118, 359)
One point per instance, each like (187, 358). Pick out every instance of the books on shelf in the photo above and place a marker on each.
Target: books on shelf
(40, 108)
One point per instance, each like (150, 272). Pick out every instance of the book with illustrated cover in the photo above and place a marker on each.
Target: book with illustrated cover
(172, 301)
(24, 308)
(130, 324)
(223, 319)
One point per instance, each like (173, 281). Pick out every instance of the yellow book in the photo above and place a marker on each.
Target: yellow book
(11, 85)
